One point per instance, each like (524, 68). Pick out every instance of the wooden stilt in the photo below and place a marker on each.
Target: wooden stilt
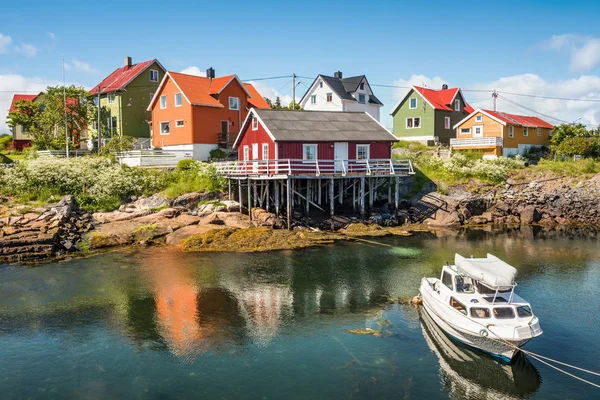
(370, 193)
(289, 203)
(307, 197)
(267, 183)
(397, 197)
(319, 190)
(240, 194)
(389, 199)
(341, 199)
(276, 197)
(229, 184)
(331, 201)
(362, 197)
(249, 199)
(354, 197)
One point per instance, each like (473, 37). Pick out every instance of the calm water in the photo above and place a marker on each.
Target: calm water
(156, 323)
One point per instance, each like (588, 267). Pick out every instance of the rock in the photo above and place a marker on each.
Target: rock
(106, 217)
(479, 220)
(68, 245)
(65, 206)
(529, 215)
(232, 206)
(152, 202)
(206, 208)
(190, 201)
(212, 219)
(168, 213)
(176, 237)
(444, 219)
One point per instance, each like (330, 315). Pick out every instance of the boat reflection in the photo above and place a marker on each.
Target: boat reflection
(470, 374)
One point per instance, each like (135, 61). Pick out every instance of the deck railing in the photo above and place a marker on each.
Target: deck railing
(384, 166)
(62, 153)
(477, 142)
(153, 158)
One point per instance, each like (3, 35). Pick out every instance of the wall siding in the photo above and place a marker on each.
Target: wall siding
(177, 136)
(423, 110)
(259, 136)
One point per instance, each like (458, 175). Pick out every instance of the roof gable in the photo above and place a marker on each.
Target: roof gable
(342, 88)
(256, 101)
(509, 119)
(121, 77)
(19, 97)
(437, 99)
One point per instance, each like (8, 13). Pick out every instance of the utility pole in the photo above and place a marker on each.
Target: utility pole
(293, 91)
(65, 105)
(494, 96)
(99, 119)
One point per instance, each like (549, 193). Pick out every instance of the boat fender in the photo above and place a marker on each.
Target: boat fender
(483, 333)
(417, 301)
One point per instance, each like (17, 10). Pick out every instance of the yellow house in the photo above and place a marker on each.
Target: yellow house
(500, 134)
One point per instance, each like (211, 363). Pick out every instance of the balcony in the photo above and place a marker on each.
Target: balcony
(226, 139)
(482, 142)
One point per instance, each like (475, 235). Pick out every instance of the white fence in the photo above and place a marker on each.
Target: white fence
(154, 158)
(62, 153)
(385, 166)
(476, 142)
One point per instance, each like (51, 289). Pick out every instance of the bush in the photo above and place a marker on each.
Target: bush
(217, 154)
(5, 142)
(118, 144)
(587, 147)
(194, 176)
(185, 165)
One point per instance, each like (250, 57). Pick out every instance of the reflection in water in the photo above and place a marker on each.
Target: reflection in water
(471, 374)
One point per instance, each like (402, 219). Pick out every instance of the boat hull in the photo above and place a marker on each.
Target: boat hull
(492, 346)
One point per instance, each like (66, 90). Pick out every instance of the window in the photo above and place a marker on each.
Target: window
(163, 101)
(254, 123)
(504, 313)
(94, 124)
(412, 103)
(246, 151)
(478, 130)
(111, 98)
(414, 122)
(255, 151)
(234, 103)
(525, 131)
(153, 75)
(23, 129)
(511, 131)
(362, 86)
(164, 128)
(361, 98)
(313, 99)
(224, 126)
(539, 131)
(446, 122)
(463, 284)
(362, 152)
(480, 312)
(457, 105)
(177, 99)
(478, 118)
(524, 311)
(96, 100)
(465, 131)
(309, 152)
(321, 84)
(329, 97)
(113, 123)
(265, 151)
(447, 280)
(458, 305)
(179, 123)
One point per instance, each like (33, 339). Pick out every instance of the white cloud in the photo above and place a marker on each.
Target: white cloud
(51, 35)
(271, 93)
(7, 46)
(11, 84)
(193, 70)
(81, 66)
(585, 50)
(418, 80)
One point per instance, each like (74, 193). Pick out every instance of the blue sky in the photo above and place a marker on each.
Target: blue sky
(546, 48)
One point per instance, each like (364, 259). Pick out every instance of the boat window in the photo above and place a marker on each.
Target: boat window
(504, 313)
(458, 305)
(524, 311)
(483, 289)
(499, 299)
(480, 312)
(463, 284)
(447, 279)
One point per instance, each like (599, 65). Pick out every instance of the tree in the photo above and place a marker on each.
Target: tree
(44, 118)
(278, 106)
(564, 131)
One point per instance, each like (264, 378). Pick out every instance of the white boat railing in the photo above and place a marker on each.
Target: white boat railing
(387, 166)
(477, 142)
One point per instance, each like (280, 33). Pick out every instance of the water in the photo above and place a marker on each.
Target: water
(156, 323)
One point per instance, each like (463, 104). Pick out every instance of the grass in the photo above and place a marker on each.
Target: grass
(412, 146)
(570, 168)
(9, 157)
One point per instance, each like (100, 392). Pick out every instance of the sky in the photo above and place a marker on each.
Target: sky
(541, 48)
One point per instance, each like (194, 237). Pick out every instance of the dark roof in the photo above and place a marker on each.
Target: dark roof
(343, 87)
(338, 87)
(321, 126)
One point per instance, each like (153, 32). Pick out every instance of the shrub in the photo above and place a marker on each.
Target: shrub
(194, 176)
(217, 154)
(118, 144)
(587, 147)
(185, 164)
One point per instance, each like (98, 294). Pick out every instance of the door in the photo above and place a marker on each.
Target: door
(340, 155)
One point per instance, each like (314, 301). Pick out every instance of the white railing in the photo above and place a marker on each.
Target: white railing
(384, 166)
(476, 142)
(153, 158)
(62, 153)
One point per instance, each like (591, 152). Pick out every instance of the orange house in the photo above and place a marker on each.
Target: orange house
(199, 114)
(500, 134)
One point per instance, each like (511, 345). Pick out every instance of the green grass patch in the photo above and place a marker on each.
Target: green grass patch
(570, 168)
(412, 146)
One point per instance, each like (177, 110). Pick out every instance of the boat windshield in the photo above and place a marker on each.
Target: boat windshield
(464, 284)
(483, 289)
(504, 313)
(524, 311)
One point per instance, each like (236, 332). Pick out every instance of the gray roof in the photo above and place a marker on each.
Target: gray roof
(321, 126)
(343, 87)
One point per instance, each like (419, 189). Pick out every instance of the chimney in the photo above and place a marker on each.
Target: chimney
(337, 75)
(444, 86)
(127, 62)
(210, 73)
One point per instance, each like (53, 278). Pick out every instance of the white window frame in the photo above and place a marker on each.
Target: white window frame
(237, 105)
(160, 128)
(412, 119)
(447, 123)
(179, 123)
(468, 131)
(255, 151)
(152, 72)
(246, 153)
(180, 99)
(525, 131)
(161, 102)
(475, 131)
(410, 106)
(479, 118)
(539, 131)
(313, 146)
(111, 98)
(329, 97)
(511, 131)
(364, 98)
(254, 123)
(265, 148)
(368, 147)
(457, 105)
(313, 99)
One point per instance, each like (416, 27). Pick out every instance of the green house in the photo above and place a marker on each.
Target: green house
(428, 115)
(125, 94)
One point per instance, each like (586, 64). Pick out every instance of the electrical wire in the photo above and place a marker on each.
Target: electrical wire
(551, 98)
(532, 110)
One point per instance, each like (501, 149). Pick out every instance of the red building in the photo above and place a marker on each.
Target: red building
(313, 142)
(20, 137)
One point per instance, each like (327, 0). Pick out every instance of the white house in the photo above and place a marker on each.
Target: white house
(341, 94)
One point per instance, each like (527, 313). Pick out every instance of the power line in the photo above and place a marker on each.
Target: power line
(270, 77)
(532, 110)
(552, 98)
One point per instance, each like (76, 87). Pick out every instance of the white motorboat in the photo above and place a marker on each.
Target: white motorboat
(474, 302)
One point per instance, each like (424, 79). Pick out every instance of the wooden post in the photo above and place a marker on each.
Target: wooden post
(268, 183)
(249, 199)
(341, 199)
(370, 193)
(319, 191)
(389, 199)
(229, 184)
(276, 197)
(240, 194)
(362, 197)
(308, 182)
(255, 193)
(289, 203)
(331, 201)
(354, 196)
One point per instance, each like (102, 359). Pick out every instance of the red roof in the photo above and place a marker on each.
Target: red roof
(523, 120)
(121, 77)
(256, 101)
(442, 99)
(18, 97)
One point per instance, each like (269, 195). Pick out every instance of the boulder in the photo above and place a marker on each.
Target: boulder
(169, 213)
(175, 238)
(212, 219)
(206, 208)
(190, 200)
(529, 215)
(232, 206)
(479, 220)
(152, 202)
